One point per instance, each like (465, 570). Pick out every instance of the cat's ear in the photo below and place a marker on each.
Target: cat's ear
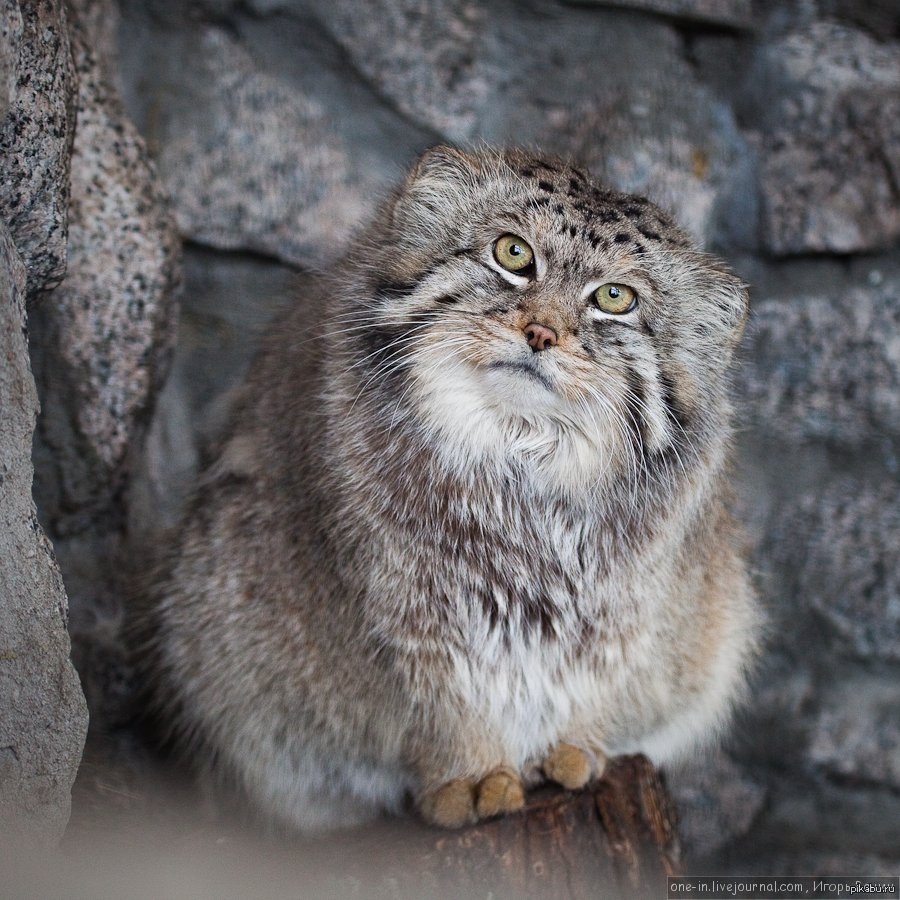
(728, 301)
(436, 186)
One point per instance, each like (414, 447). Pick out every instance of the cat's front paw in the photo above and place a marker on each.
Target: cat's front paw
(451, 805)
(499, 792)
(464, 801)
(571, 767)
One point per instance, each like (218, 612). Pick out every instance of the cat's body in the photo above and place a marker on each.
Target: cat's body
(470, 526)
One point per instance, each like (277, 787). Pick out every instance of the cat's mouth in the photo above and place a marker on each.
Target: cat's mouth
(522, 368)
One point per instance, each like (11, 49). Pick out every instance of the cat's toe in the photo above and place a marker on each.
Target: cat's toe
(452, 805)
(499, 792)
(568, 766)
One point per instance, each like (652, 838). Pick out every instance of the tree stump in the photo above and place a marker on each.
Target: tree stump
(616, 838)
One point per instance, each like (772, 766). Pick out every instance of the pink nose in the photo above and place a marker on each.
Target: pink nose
(540, 337)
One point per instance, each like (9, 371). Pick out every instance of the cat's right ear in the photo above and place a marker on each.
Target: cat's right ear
(435, 188)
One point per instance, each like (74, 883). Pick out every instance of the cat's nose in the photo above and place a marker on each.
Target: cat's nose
(540, 337)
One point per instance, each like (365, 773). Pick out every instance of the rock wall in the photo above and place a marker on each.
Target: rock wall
(90, 246)
(769, 128)
(43, 717)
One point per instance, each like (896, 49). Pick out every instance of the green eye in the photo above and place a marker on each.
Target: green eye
(513, 253)
(615, 298)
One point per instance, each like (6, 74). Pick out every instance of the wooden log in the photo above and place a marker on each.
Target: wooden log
(616, 838)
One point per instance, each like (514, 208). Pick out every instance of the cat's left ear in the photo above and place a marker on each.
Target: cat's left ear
(728, 298)
(439, 182)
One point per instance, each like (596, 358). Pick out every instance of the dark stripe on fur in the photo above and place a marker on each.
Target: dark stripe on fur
(673, 406)
(635, 400)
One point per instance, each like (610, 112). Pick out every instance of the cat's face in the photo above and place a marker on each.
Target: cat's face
(518, 307)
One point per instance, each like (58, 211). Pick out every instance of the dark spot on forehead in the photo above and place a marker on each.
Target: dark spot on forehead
(559, 209)
(601, 195)
(608, 216)
(546, 186)
(647, 233)
(622, 238)
(593, 238)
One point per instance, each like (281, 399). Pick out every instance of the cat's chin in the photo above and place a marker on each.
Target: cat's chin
(520, 375)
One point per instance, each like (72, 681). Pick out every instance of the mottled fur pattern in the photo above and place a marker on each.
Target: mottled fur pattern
(431, 563)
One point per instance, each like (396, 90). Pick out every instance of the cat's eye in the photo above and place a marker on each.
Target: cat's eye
(513, 253)
(617, 299)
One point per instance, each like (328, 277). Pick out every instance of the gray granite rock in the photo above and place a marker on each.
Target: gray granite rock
(226, 303)
(827, 367)
(880, 17)
(103, 336)
(828, 101)
(856, 734)
(840, 546)
(717, 802)
(37, 88)
(732, 13)
(425, 56)
(43, 718)
(254, 165)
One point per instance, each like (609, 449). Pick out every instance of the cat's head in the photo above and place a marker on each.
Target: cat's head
(512, 305)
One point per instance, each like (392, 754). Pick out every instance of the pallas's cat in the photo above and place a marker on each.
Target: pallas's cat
(469, 527)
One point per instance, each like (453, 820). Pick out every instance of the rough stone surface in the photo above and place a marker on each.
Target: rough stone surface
(829, 101)
(733, 13)
(717, 803)
(106, 331)
(423, 55)
(880, 17)
(840, 546)
(226, 303)
(259, 169)
(37, 87)
(43, 717)
(827, 367)
(857, 732)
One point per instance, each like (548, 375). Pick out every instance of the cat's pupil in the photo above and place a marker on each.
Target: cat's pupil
(515, 250)
(614, 292)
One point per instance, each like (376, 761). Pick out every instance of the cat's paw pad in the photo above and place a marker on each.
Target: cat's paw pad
(568, 766)
(499, 792)
(452, 805)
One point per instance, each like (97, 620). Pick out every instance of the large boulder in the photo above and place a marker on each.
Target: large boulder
(828, 103)
(826, 366)
(37, 117)
(253, 164)
(43, 717)
(105, 333)
(839, 546)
